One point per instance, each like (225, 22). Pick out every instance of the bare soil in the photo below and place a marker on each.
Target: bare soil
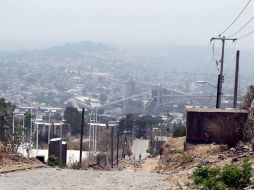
(10, 161)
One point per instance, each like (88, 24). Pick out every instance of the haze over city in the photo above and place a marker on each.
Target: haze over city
(137, 94)
(31, 23)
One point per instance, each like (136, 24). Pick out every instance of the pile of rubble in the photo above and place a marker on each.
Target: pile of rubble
(241, 150)
(125, 164)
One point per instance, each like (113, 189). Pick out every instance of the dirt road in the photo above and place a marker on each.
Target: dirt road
(48, 178)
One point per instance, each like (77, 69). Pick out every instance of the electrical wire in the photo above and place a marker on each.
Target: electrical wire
(236, 17)
(246, 24)
(246, 35)
(201, 59)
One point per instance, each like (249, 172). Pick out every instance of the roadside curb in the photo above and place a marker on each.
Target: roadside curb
(22, 169)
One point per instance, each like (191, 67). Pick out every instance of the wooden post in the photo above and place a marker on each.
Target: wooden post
(117, 146)
(112, 147)
(81, 136)
(236, 78)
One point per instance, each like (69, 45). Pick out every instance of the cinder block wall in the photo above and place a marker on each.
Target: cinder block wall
(215, 125)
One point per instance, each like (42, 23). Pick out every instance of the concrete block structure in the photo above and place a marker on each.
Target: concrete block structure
(58, 148)
(220, 126)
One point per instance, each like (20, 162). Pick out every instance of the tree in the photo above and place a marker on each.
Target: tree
(127, 123)
(179, 130)
(144, 125)
(7, 120)
(6, 115)
(73, 118)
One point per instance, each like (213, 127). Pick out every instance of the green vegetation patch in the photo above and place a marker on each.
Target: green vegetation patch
(220, 178)
(179, 131)
(53, 161)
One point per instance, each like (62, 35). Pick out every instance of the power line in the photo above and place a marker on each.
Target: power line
(242, 27)
(236, 17)
(244, 36)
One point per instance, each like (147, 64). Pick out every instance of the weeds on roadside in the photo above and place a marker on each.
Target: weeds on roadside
(75, 165)
(53, 161)
(220, 178)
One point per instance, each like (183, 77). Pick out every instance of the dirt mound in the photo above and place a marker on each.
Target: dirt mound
(173, 155)
(10, 161)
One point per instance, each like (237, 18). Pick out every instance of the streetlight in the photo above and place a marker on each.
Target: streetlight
(205, 82)
(218, 94)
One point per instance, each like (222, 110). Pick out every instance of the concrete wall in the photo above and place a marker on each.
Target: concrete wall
(215, 125)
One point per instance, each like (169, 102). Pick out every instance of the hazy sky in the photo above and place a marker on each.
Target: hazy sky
(190, 22)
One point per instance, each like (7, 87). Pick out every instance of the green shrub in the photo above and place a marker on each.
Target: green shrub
(53, 161)
(237, 176)
(179, 131)
(219, 178)
(200, 173)
(231, 175)
(213, 183)
(246, 172)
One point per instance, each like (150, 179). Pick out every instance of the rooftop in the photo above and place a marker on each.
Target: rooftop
(231, 110)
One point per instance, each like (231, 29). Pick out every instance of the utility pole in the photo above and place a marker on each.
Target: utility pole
(49, 129)
(117, 146)
(23, 129)
(31, 126)
(81, 136)
(37, 130)
(13, 127)
(112, 147)
(236, 78)
(220, 76)
(90, 130)
(96, 130)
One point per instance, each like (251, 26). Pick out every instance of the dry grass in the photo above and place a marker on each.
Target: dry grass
(174, 156)
(89, 161)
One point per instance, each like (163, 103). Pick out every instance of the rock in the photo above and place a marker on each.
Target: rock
(232, 149)
(235, 159)
(205, 162)
(221, 157)
(245, 147)
(243, 155)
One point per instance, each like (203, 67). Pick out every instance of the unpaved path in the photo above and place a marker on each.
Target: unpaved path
(150, 164)
(48, 178)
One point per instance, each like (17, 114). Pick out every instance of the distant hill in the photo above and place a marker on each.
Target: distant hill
(74, 49)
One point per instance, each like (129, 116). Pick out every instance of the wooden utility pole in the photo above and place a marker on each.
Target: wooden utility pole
(81, 136)
(220, 76)
(117, 146)
(112, 147)
(236, 78)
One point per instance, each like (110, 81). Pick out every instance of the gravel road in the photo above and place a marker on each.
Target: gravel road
(50, 178)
